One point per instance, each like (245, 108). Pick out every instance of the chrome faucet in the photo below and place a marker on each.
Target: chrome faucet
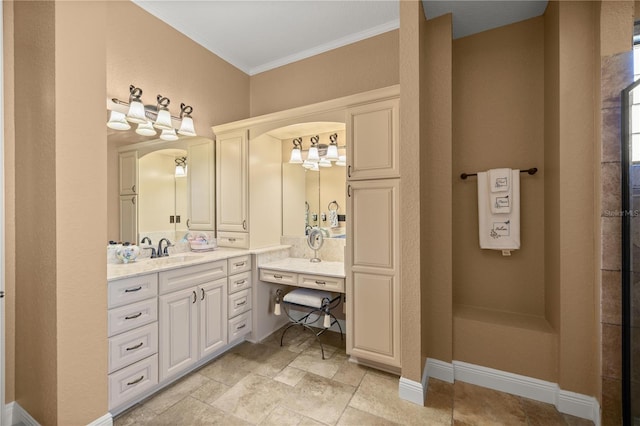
(164, 252)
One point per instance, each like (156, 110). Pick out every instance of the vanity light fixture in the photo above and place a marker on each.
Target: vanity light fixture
(149, 117)
(332, 150)
(296, 152)
(313, 155)
(324, 162)
(342, 161)
(181, 166)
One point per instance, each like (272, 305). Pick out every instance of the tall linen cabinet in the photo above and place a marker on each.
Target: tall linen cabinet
(373, 242)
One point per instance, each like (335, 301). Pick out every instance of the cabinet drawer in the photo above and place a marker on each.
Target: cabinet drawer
(181, 278)
(239, 302)
(131, 316)
(132, 289)
(279, 277)
(233, 239)
(239, 326)
(239, 282)
(132, 346)
(321, 282)
(239, 264)
(132, 381)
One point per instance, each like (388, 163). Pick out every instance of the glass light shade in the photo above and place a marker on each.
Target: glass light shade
(296, 156)
(186, 127)
(314, 167)
(136, 112)
(118, 121)
(180, 171)
(169, 135)
(324, 163)
(163, 121)
(146, 129)
(307, 164)
(332, 152)
(313, 155)
(342, 161)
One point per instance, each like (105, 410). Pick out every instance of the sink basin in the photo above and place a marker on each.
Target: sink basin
(175, 259)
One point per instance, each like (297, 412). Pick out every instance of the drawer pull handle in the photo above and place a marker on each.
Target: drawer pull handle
(240, 282)
(202, 297)
(321, 282)
(244, 224)
(131, 290)
(239, 264)
(135, 381)
(132, 348)
(241, 327)
(241, 303)
(133, 316)
(195, 296)
(278, 277)
(232, 240)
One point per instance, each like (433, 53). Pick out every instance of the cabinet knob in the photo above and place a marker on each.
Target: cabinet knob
(133, 200)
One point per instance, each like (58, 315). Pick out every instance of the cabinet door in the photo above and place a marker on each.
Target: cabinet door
(373, 141)
(129, 218)
(373, 329)
(213, 316)
(128, 172)
(200, 207)
(178, 331)
(231, 181)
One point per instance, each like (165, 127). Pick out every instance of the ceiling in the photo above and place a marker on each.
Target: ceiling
(259, 35)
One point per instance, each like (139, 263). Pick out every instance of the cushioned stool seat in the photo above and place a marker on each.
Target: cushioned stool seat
(320, 304)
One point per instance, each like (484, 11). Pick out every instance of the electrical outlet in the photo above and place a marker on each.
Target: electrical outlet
(171, 219)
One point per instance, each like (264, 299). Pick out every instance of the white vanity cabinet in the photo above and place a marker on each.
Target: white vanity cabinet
(133, 337)
(193, 315)
(232, 186)
(240, 297)
(200, 203)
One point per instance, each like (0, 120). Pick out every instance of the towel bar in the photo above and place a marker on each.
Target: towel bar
(531, 171)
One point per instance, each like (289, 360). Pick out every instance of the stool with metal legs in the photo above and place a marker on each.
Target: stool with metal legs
(318, 302)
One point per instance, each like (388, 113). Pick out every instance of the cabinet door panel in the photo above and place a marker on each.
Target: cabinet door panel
(231, 181)
(200, 185)
(372, 141)
(128, 167)
(129, 218)
(178, 331)
(213, 316)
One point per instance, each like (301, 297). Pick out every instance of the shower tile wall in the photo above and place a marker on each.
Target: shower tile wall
(616, 74)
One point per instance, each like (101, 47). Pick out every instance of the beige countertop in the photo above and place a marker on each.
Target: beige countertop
(143, 266)
(304, 266)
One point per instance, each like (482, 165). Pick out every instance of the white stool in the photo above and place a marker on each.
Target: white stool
(318, 302)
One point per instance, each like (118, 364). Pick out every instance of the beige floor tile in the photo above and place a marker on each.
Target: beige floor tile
(282, 417)
(319, 398)
(440, 397)
(311, 360)
(174, 393)
(354, 417)
(290, 376)
(192, 412)
(378, 395)
(253, 398)
(541, 414)
(306, 421)
(272, 364)
(576, 421)
(350, 373)
(228, 369)
(474, 405)
(138, 415)
(210, 391)
(296, 340)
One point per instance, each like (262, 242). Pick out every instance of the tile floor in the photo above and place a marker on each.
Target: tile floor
(265, 384)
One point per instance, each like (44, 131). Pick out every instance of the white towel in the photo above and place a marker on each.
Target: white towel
(333, 218)
(500, 190)
(499, 231)
(499, 180)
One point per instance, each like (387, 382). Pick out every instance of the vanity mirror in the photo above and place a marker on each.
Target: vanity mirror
(313, 197)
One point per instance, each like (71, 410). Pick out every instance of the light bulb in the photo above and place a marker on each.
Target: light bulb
(324, 163)
(180, 171)
(342, 161)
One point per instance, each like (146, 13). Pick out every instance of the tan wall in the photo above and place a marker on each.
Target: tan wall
(412, 27)
(366, 65)
(9, 204)
(436, 191)
(498, 121)
(218, 92)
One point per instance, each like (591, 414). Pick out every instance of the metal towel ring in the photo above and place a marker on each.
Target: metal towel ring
(331, 203)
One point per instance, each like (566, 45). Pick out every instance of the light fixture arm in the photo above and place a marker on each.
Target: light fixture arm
(334, 139)
(297, 143)
(185, 110)
(134, 93)
(163, 101)
(314, 140)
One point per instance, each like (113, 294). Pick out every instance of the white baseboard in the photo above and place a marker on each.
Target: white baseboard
(575, 404)
(411, 391)
(106, 420)
(15, 414)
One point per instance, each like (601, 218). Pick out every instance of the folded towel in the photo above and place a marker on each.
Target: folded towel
(499, 180)
(499, 231)
(333, 219)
